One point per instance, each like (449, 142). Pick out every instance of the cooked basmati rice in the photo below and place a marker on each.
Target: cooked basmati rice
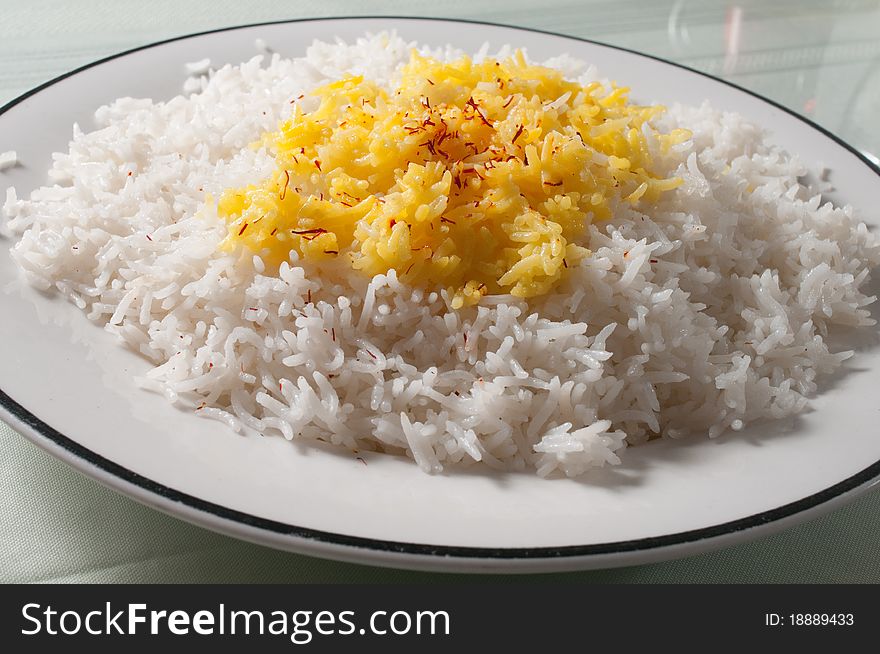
(702, 315)
(8, 159)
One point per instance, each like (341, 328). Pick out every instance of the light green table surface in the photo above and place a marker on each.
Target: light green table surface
(819, 58)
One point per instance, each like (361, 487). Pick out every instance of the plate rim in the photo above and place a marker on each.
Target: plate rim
(421, 556)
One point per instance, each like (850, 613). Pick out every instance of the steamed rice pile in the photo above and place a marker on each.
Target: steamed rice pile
(702, 312)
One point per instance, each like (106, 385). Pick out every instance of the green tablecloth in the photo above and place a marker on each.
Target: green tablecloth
(819, 58)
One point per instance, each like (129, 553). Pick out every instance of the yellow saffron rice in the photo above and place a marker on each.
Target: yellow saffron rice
(477, 177)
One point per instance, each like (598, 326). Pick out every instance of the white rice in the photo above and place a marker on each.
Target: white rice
(200, 67)
(703, 316)
(8, 159)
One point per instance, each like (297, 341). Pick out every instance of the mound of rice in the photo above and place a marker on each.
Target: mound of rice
(705, 314)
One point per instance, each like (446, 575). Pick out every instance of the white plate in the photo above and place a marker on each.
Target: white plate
(67, 385)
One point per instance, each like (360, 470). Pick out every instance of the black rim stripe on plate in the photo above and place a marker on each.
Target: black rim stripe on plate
(638, 545)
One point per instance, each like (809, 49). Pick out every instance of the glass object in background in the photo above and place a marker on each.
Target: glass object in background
(819, 59)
